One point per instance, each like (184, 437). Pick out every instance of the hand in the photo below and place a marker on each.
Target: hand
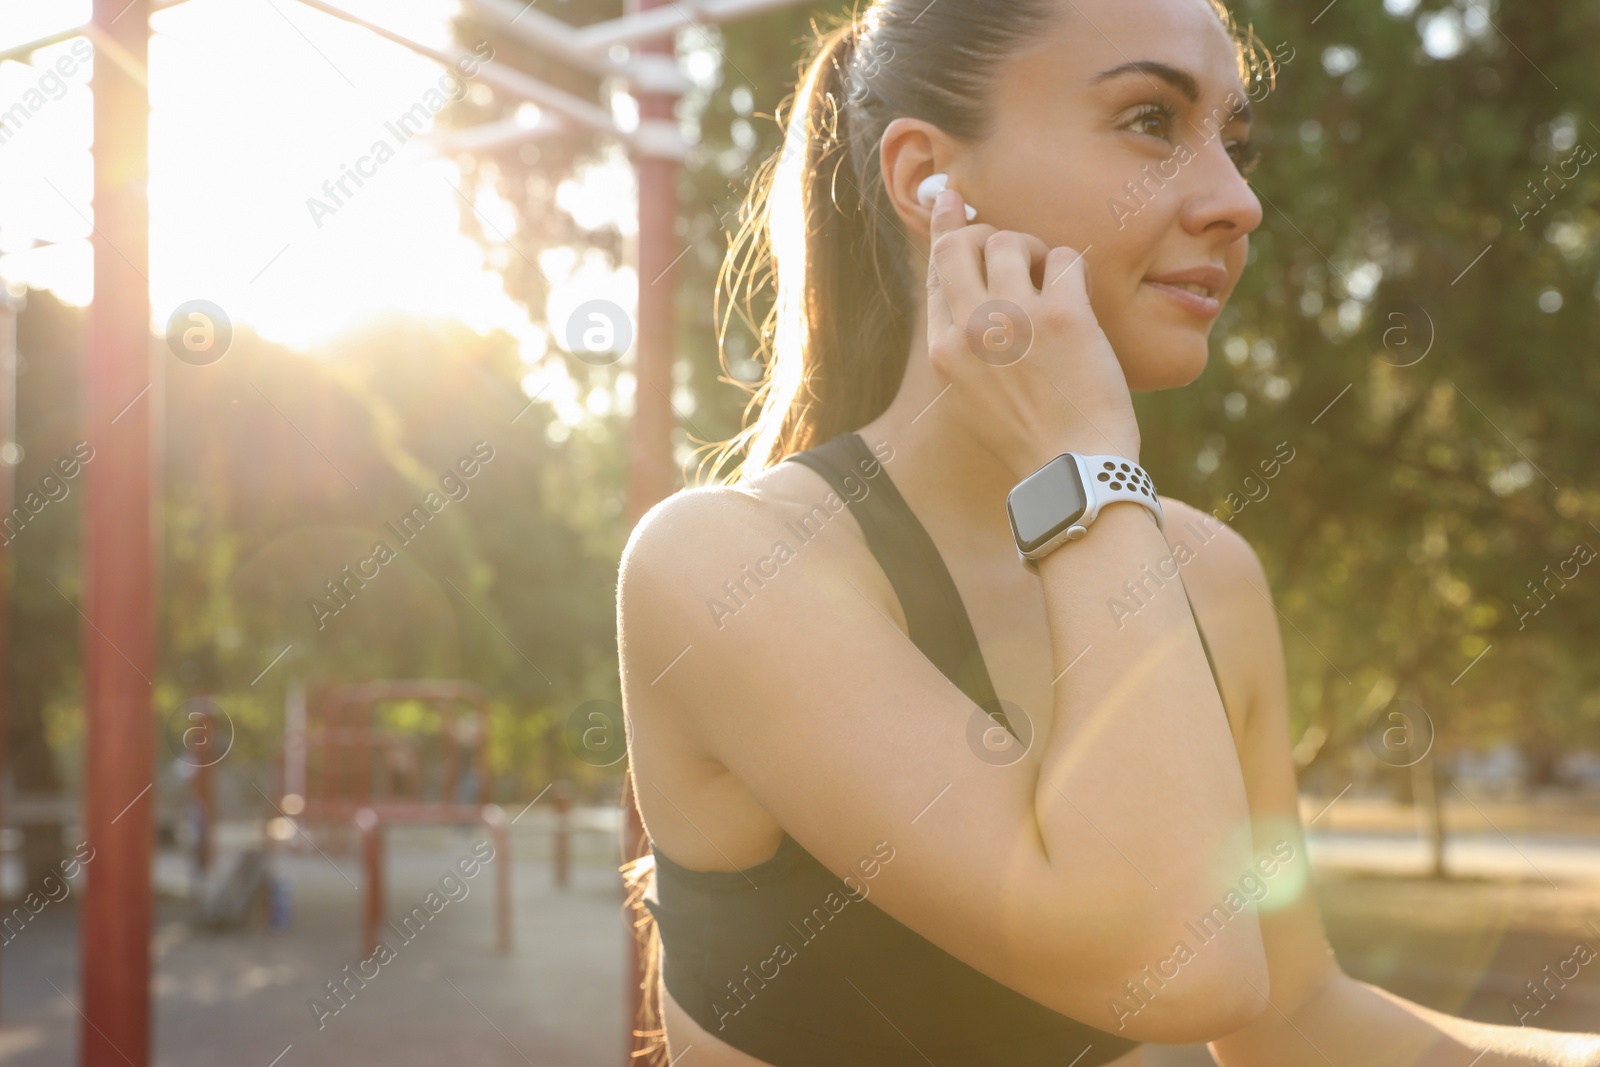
(1030, 372)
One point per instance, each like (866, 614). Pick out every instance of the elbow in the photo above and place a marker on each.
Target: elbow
(1195, 991)
(1213, 1011)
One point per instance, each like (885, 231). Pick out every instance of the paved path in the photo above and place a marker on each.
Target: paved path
(242, 1000)
(1548, 857)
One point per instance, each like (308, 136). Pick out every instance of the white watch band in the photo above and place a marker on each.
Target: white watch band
(1110, 479)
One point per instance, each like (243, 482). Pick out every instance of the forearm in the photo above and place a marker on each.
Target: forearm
(1348, 1023)
(1140, 800)
(1140, 746)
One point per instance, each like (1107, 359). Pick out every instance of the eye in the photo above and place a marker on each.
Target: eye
(1246, 156)
(1154, 119)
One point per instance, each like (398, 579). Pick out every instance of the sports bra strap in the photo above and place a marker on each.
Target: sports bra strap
(937, 619)
(935, 615)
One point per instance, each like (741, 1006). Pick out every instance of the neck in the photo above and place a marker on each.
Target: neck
(941, 468)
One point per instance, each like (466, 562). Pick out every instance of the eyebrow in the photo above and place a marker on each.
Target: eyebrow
(1180, 80)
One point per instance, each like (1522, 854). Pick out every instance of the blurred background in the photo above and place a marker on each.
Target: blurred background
(408, 391)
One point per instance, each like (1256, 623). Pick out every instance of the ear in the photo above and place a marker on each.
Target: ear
(910, 152)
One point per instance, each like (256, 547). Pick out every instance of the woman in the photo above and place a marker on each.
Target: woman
(909, 800)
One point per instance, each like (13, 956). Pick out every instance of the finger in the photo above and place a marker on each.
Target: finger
(1010, 258)
(1066, 274)
(956, 256)
(939, 318)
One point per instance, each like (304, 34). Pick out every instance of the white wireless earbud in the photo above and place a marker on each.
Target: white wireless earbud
(930, 189)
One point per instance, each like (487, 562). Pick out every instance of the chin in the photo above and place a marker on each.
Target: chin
(1153, 364)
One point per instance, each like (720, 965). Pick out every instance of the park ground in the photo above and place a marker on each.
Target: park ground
(1528, 889)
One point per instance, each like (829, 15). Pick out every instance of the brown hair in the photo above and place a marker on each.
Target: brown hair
(819, 223)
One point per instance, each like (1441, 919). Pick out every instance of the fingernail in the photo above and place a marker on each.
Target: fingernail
(945, 198)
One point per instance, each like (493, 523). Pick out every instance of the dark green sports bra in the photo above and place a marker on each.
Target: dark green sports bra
(785, 962)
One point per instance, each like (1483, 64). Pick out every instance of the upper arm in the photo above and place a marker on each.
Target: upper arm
(848, 736)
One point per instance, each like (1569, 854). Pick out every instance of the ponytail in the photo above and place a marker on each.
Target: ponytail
(647, 1036)
(839, 328)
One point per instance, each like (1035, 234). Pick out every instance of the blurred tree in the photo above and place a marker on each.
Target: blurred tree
(1413, 325)
(43, 631)
(387, 510)
(282, 473)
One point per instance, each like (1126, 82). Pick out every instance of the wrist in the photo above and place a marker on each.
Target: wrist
(1090, 445)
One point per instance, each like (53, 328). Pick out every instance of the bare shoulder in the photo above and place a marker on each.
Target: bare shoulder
(700, 559)
(1213, 554)
(696, 535)
(1232, 603)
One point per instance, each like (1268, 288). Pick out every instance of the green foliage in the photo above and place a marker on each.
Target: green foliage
(1401, 544)
(282, 472)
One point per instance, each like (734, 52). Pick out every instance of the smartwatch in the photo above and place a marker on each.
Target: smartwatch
(1058, 502)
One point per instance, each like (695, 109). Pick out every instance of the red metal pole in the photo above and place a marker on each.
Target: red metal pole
(500, 831)
(371, 833)
(562, 794)
(450, 743)
(201, 784)
(650, 468)
(9, 309)
(118, 576)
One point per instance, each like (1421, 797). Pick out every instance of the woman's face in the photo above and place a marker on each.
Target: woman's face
(1121, 134)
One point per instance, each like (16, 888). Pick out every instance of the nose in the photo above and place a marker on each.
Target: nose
(1220, 200)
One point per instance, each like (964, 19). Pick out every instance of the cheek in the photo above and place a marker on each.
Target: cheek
(1237, 253)
(1036, 176)
(1046, 186)
(1153, 354)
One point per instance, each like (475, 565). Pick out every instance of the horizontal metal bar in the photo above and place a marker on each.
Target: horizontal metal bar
(599, 37)
(580, 111)
(494, 135)
(17, 51)
(658, 74)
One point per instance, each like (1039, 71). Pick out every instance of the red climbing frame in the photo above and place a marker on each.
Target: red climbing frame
(357, 771)
(351, 762)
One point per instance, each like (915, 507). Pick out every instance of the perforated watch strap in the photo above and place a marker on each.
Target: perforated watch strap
(1116, 479)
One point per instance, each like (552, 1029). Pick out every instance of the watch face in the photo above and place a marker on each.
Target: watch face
(1046, 502)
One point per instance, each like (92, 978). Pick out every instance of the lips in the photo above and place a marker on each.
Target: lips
(1196, 289)
(1204, 280)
